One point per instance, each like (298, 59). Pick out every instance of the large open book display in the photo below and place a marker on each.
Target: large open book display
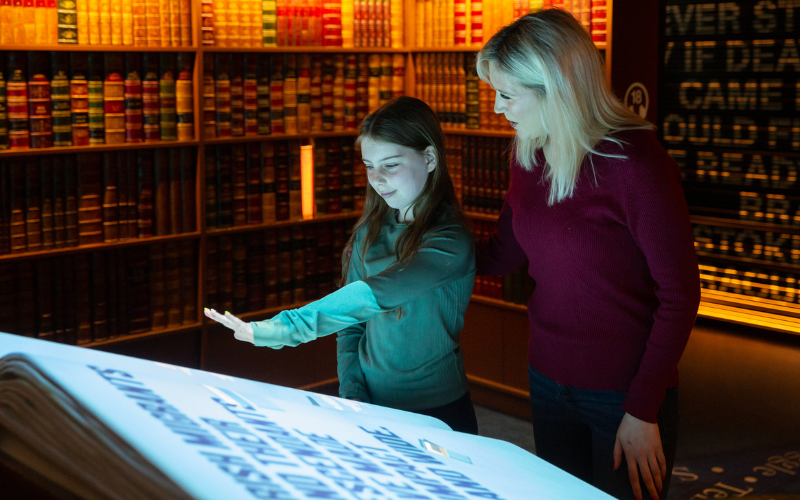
(99, 425)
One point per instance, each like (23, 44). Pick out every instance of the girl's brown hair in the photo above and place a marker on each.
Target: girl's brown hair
(408, 122)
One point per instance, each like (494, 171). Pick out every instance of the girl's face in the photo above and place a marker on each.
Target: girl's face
(520, 105)
(397, 173)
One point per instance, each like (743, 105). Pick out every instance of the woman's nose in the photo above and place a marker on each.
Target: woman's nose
(499, 106)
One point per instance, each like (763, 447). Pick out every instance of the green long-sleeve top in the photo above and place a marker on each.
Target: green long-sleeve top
(411, 360)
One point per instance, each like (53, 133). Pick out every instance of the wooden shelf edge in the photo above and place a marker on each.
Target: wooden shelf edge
(746, 317)
(311, 49)
(74, 47)
(283, 223)
(499, 303)
(277, 137)
(482, 217)
(95, 149)
(132, 242)
(152, 333)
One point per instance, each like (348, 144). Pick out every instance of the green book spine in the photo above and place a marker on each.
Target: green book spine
(166, 94)
(59, 96)
(97, 127)
(67, 22)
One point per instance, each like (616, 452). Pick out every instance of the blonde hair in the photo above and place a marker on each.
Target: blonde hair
(551, 54)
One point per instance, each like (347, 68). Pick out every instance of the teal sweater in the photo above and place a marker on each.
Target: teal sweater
(411, 362)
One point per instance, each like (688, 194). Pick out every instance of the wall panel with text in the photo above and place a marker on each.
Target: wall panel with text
(730, 116)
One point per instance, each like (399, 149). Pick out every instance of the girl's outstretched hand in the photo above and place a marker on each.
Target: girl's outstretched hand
(241, 330)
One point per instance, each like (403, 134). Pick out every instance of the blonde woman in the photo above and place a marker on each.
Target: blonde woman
(596, 208)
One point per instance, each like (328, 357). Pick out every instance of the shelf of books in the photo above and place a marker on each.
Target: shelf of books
(150, 149)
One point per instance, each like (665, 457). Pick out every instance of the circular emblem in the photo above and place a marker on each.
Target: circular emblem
(637, 99)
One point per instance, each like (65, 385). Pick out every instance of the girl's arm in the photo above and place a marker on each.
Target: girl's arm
(352, 383)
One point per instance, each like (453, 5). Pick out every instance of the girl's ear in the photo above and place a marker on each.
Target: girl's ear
(430, 158)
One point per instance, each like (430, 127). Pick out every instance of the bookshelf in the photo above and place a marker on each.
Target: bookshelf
(191, 340)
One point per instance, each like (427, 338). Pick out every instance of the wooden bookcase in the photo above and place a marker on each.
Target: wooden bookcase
(206, 345)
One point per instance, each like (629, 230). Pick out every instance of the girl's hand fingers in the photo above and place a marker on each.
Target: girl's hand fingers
(223, 320)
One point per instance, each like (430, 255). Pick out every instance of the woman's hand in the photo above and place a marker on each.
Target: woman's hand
(641, 444)
(241, 329)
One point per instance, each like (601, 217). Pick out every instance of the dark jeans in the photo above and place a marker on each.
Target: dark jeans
(575, 430)
(459, 415)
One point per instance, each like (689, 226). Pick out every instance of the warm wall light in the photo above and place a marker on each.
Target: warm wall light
(307, 180)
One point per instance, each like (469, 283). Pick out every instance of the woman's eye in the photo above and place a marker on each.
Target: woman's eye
(391, 165)
(505, 96)
(368, 167)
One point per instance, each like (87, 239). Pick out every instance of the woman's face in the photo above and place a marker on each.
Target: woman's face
(397, 173)
(520, 105)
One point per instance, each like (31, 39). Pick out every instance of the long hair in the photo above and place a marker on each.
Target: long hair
(408, 122)
(550, 53)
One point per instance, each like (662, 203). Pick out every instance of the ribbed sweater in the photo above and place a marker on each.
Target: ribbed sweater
(617, 283)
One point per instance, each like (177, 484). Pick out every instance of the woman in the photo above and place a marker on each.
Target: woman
(409, 270)
(595, 206)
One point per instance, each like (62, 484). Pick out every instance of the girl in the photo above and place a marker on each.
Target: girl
(596, 208)
(408, 271)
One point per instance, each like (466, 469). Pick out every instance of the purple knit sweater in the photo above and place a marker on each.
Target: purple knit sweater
(617, 283)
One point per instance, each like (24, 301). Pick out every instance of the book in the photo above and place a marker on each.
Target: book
(175, 191)
(60, 99)
(211, 282)
(210, 172)
(33, 207)
(125, 179)
(207, 22)
(184, 97)
(82, 290)
(112, 294)
(250, 94)
(282, 180)
(290, 93)
(284, 259)
(151, 112)
(114, 98)
(111, 190)
(188, 189)
(224, 187)
(254, 272)
(26, 299)
(17, 101)
(145, 185)
(276, 98)
(304, 93)
(139, 27)
(168, 119)
(271, 268)
(209, 97)
(161, 193)
(189, 281)
(139, 314)
(262, 95)
(295, 188)
(239, 273)
(134, 124)
(67, 22)
(79, 98)
(95, 77)
(47, 201)
(321, 176)
(39, 103)
(268, 202)
(71, 201)
(172, 276)
(328, 71)
(222, 65)
(3, 109)
(315, 93)
(240, 181)
(338, 92)
(99, 296)
(333, 189)
(90, 195)
(254, 184)
(59, 197)
(158, 287)
(225, 273)
(237, 95)
(127, 22)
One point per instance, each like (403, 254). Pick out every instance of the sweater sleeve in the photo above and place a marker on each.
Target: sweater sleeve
(446, 254)
(658, 219)
(352, 383)
(499, 253)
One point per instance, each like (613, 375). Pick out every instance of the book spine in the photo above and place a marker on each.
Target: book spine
(211, 276)
(161, 193)
(271, 268)
(81, 21)
(59, 202)
(114, 99)
(362, 88)
(99, 296)
(168, 117)
(346, 176)
(79, 100)
(328, 72)
(210, 172)
(33, 208)
(40, 22)
(134, 131)
(132, 214)
(112, 296)
(158, 289)
(150, 93)
(17, 99)
(3, 113)
(90, 210)
(269, 23)
(239, 185)
(115, 14)
(139, 23)
(385, 79)
(338, 91)
(110, 197)
(184, 98)
(304, 93)
(186, 23)
(225, 273)
(239, 273)
(39, 103)
(127, 22)
(46, 183)
(175, 194)
(188, 189)
(6, 35)
(350, 79)
(284, 266)
(311, 279)
(139, 313)
(17, 207)
(172, 275)
(254, 272)
(123, 183)
(276, 101)
(163, 23)
(237, 95)
(334, 171)
(44, 299)
(83, 299)
(281, 181)
(221, 22)
(96, 105)
(188, 283)
(321, 176)
(262, 95)
(254, 180)
(207, 22)
(295, 202)
(104, 10)
(60, 100)
(290, 94)
(268, 183)
(315, 93)
(145, 185)
(93, 15)
(225, 187)
(153, 22)
(209, 97)
(71, 198)
(223, 95)
(175, 23)
(251, 94)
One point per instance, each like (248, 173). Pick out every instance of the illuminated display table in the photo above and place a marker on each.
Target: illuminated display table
(101, 425)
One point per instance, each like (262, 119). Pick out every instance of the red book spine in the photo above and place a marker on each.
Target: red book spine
(17, 102)
(79, 103)
(133, 108)
(40, 112)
